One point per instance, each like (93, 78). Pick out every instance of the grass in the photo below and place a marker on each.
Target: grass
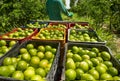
(75, 17)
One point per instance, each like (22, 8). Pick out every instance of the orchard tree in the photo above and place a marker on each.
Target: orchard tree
(115, 16)
(98, 10)
(15, 13)
(101, 11)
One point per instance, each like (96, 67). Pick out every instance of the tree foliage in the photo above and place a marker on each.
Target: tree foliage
(115, 16)
(14, 13)
(18, 12)
(97, 9)
(100, 11)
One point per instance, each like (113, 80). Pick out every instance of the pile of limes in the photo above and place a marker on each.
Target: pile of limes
(79, 26)
(36, 25)
(51, 34)
(82, 36)
(57, 26)
(89, 64)
(32, 63)
(19, 33)
(5, 46)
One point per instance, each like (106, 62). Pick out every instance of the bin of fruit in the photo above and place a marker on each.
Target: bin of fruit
(61, 25)
(20, 34)
(89, 62)
(58, 25)
(79, 25)
(32, 60)
(84, 36)
(37, 24)
(6, 46)
(51, 34)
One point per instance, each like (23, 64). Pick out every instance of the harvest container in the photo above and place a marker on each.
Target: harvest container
(62, 25)
(84, 46)
(52, 72)
(84, 36)
(37, 24)
(25, 37)
(49, 35)
(83, 24)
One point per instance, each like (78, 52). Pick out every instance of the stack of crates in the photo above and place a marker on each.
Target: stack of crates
(86, 51)
(76, 41)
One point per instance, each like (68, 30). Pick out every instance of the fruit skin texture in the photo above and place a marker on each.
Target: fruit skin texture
(41, 48)
(106, 76)
(18, 75)
(34, 61)
(40, 55)
(84, 66)
(106, 56)
(116, 78)
(28, 73)
(79, 72)
(4, 71)
(90, 64)
(26, 57)
(75, 49)
(2, 43)
(33, 52)
(29, 46)
(100, 69)
(43, 63)
(12, 43)
(69, 55)
(11, 69)
(76, 58)
(7, 61)
(22, 65)
(70, 74)
(36, 77)
(41, 72)
(94, 73)
(70, 64)
(108, 63)
(92, 54)
(95, 61)
(86, 76)
(113, 71)
(48, 55)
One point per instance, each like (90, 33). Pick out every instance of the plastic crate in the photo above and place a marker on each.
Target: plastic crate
(62, 41)
(35, 30)
(12, 48)
(90, 32)
(72, 24)
(52, 72)
(68, 46)
(41, 24)
(57, 24)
